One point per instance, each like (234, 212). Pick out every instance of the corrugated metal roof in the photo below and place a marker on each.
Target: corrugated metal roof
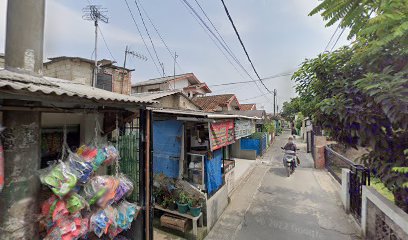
(156, 95)
(200, 114)
(165, 79)
(48, 86)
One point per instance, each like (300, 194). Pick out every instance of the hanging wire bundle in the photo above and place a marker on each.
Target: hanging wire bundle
(84, 202)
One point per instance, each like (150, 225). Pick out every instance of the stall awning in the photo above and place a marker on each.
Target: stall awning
(200, 114)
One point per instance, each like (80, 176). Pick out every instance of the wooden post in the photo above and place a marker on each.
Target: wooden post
(147, 176)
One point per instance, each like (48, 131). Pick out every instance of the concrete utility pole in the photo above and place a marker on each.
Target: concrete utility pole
(21, 140)
(174, 69)
(274, 101)
(96, 14)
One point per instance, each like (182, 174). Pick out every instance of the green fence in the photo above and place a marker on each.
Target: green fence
(129, 162)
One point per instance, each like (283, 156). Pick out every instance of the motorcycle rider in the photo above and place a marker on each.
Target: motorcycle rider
(290, 145)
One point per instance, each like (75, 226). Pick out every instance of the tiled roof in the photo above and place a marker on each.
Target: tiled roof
(246, 107)
(210, 103)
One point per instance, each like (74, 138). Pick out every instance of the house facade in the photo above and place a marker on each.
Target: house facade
(218, 103)
(110, 77)
(188, 83)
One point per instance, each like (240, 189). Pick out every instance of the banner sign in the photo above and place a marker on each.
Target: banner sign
(221, 134)
(243, 128)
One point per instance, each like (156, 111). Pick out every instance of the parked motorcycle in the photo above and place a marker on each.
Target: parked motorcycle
(289, 161)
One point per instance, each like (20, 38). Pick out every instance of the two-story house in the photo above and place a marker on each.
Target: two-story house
(188, 83)
(218, 103)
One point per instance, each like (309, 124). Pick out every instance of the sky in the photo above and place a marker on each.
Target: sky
(278, 35)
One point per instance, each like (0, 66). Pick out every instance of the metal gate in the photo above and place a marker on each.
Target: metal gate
(359, 176)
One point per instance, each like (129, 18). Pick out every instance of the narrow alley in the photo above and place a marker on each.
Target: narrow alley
(270, 205)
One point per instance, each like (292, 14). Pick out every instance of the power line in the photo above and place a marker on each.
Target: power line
(242, 44)
(144, 42)
(148, 34)
(337, 39)
(267, 78)
(332, 36)
(215, 28)
(160, 36)
(215, 43)
(106, 44)
(225, 47)
(202, 23)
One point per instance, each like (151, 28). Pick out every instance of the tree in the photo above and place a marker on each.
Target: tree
(359, 94)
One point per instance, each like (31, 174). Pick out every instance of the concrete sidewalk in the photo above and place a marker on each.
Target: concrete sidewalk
(270, 205)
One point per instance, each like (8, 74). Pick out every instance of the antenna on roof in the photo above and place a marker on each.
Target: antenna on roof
(95, 13)
(133, 54)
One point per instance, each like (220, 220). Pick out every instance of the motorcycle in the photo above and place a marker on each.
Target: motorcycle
(289, 161)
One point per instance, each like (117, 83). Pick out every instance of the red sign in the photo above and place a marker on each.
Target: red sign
(221, 134)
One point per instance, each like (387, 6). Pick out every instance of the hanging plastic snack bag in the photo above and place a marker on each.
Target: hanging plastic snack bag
(83, 170)
(124, 189)
(59, 178)
(99, 159)
(126, 214)
(75, 203)
(111, 184)
(101, 221)
(88, 152)
(111, 154)
(95, 189)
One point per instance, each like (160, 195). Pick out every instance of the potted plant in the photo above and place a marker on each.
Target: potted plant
(169, 202)
(195, 206)
(182, 202)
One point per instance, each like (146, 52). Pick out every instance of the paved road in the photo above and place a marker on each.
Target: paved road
(269, 205)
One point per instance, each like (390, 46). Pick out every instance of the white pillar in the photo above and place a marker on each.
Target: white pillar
(345, 187)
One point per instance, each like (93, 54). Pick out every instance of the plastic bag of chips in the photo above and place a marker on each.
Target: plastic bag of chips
(75, 202)
(124, 189)
(101, 190)
(126, 212)
(83, 170)
(59, 178)
(111, 154)
(102, 220)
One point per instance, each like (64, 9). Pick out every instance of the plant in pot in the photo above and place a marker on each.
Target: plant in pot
(169, 202)
(182, 202)
(195, 206)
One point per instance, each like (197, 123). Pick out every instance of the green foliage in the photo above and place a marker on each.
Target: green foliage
(290, 109)
(381, 188)
(257, 135)
(359, 94)
(183, 198)
(299, 121)
(269, 127)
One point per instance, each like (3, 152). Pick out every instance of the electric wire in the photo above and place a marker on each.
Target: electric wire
(337, 39)
(160, 36)
(106, 44)
(148, 34)
(267, 78)
(331, 38)
(219, 48)
(216, 30)
(242, 44)
(201, 23)
(144, 42)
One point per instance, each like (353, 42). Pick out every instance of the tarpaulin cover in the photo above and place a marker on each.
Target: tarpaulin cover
(213, 172)
(251, 144)
(167, 147)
